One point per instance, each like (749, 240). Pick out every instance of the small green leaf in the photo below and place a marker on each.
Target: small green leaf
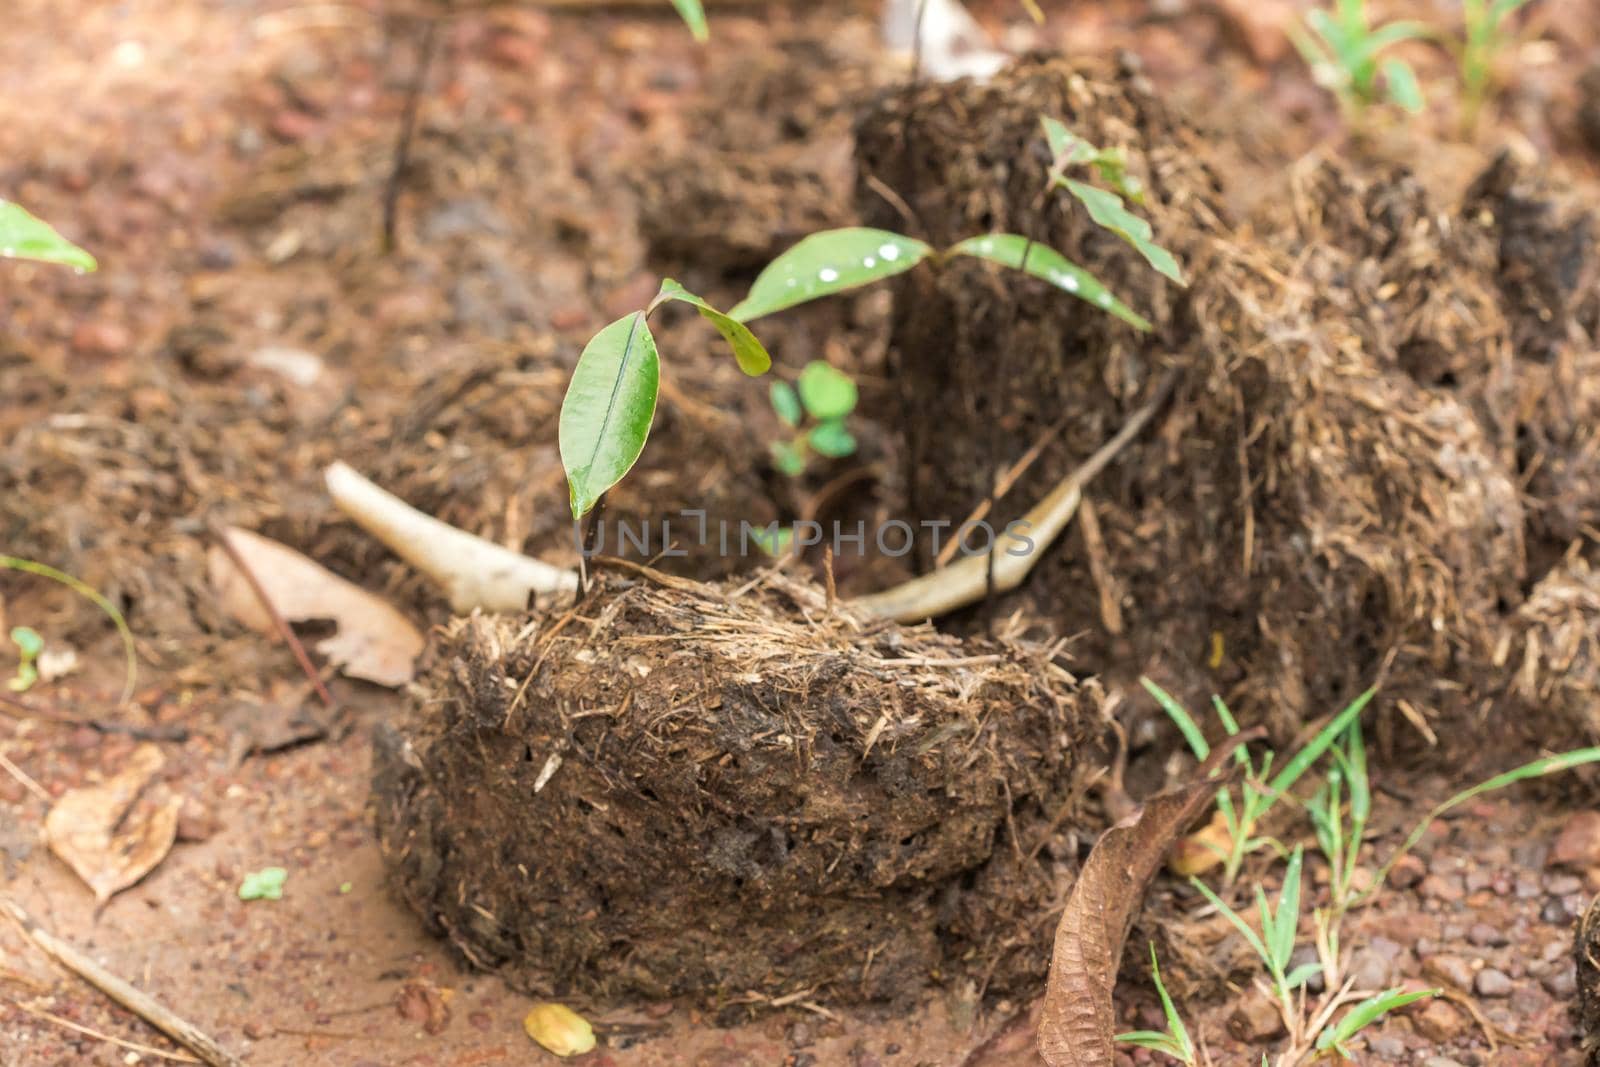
(826, 263)
(789, 458)
(694, 15)
(265, 884)
(1401, 82)
(1007, 249)
(776, 543)
(606, 414)
(1359, 1017)
(750, 353)
(831, 439)
(28, 641)
(786, 402)
(1066, 148)
(1180, 718)
(22, 236)
(1287, 919)
(1235, 918)
(1108, 211)
(1180, 1033)
(827, 393)
(1302, 974)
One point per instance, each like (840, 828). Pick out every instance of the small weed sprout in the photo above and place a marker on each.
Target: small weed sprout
(1339, 828)
(1485, 38)
(1345, 54)
(824, 395)
(611, 399)
(1257, 793)
(29, 645)
(1175, 1041)
(23, 236)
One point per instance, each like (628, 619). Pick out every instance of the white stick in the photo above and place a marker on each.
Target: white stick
(475, 573)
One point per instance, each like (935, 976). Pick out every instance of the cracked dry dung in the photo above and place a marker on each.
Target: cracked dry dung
(685, 789)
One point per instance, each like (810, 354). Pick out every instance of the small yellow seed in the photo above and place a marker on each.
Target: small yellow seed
(559, 1029)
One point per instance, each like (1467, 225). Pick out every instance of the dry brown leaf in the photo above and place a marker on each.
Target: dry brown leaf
(1202, 850)
(105, 843)
(1077, 1027)
(374, 641)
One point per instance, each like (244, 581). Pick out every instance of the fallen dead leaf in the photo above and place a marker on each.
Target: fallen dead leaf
(108, 840)
(1202, 850)
(374, 641)
(1077, 1026)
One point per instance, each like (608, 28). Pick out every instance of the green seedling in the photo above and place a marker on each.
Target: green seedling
(1175, 1041)
(1485, 39)
(1346, 56)
(826, 397)
(1339, 811)
(610, 402)
(265, 884)
(1275, 944)
(1365, 1014)
(29, 645)
(1256, 793)
(22, 236)
(88, 592)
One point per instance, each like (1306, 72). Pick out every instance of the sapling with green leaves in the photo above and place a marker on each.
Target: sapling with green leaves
(1485, 38)
(1257, 794)
(610, 402)
(1347, 56)
(1174, 1042)
(814, 409)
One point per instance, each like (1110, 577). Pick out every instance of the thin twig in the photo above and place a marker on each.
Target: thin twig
(1003, 486)
(22, 776)
(408, 126)
(141, 1004)
(284, 629)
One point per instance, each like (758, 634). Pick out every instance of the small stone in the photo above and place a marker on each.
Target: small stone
(1370, 970)
(292, 125)
(1452, 970)
(1485, 935)
(1561, 982)
(1554, 912)
(1407, 871)
(1577, 846)
(1442, 887)
(1441, 1061)
(1561, 885)
(1303, 955)
(104, 339)
(1256, 1019)
(1387, 1047)
(1439, 1021)
(1492, 983)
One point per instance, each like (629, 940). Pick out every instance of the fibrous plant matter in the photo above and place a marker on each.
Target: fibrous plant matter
(675, 790)
(1314, 486)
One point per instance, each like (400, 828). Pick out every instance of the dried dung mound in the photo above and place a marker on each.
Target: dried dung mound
(1310, 516)
(687, 789)
(1556, 655)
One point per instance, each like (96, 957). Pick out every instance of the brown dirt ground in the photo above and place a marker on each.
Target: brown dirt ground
(225, 161)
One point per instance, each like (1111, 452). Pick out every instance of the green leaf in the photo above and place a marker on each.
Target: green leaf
(789, 458)
(1066, 148)
(827, 393)
(1007, 249)
(28, 641)
(1287, 920)
(786, 402)
(827, 263)
(1180, 1033)
(831, 439)
(1359, 1017)
(22, 236)
(1401, 83)
(606, 414)
(1303, 759)
(694, 15)
(751, 354)
(1155, 1042)
(1235, 918)
(1108, 211)
(265, 884)
(1301, 975)
(1180, 718)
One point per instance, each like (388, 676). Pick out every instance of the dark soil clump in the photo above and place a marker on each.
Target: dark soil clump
(1333, 498)
(676, 790)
